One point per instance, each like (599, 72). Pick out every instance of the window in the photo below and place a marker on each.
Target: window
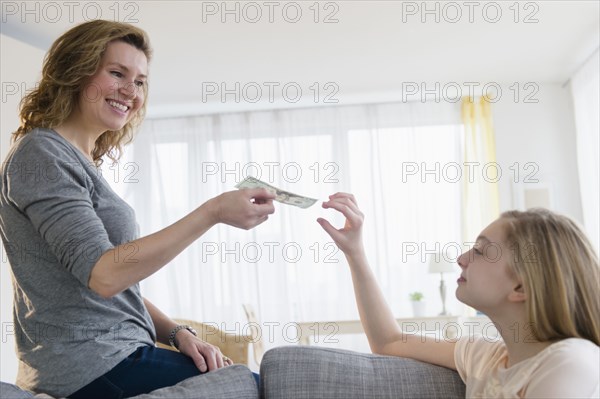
(403, 174)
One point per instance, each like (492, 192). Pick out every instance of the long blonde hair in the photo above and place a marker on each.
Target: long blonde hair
(560, 273)
(72, 59)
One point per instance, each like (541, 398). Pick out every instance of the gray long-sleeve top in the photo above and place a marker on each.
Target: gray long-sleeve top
(57, 217)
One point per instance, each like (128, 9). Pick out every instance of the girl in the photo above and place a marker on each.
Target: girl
(540, 290)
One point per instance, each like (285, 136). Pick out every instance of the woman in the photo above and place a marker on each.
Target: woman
(539, 285)
(82, 327)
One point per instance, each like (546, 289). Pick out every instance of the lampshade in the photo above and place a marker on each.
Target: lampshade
(439, 264)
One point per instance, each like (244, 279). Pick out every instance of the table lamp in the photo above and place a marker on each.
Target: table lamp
(438, 264)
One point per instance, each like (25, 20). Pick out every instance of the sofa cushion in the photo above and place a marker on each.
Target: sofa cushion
(10, 391)
(312, 372)
(233, 382)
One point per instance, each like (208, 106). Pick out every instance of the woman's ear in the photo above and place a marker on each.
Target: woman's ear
(517, 294)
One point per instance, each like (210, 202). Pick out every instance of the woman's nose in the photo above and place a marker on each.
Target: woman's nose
(128, 90)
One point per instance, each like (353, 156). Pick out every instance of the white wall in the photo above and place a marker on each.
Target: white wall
(542, 133)
(15, 77)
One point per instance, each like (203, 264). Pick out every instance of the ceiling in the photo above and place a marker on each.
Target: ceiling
(372, 51)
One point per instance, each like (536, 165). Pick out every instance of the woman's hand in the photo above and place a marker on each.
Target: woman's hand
(207, 357)
(348, 238)
(245, 208)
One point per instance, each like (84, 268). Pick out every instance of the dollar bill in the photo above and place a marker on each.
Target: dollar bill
(282, 196)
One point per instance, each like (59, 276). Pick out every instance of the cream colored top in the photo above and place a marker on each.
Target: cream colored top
(566, 369)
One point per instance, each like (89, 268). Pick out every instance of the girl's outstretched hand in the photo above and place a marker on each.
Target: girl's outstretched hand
(348, 238)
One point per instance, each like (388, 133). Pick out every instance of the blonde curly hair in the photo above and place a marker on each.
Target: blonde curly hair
(72, 59)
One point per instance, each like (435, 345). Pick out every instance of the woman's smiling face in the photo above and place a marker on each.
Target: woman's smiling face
(116, 92)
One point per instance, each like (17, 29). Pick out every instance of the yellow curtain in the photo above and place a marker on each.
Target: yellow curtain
(480, 203)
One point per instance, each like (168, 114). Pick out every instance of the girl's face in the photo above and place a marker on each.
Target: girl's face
(115, 93)
(487, 283)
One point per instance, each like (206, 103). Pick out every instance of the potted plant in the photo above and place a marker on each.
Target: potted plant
(418, 304)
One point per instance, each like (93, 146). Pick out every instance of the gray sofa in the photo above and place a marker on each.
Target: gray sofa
(310, 372)
(313, 373)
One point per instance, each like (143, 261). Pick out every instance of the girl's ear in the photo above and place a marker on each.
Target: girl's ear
(517, 294)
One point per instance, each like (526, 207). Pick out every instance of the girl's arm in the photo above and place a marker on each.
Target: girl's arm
(383, 332)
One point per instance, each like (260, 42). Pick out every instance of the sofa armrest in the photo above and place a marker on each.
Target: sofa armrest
(312, 372)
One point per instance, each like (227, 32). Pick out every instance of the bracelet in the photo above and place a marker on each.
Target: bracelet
(176, 330)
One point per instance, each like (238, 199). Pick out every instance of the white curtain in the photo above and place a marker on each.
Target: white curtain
(585, 85)
(400, 160)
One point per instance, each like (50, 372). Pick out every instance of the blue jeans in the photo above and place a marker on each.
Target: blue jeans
(146, 369)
